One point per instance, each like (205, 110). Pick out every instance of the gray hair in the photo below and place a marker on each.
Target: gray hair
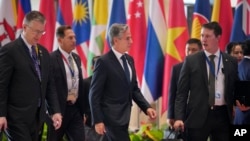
(34, 16)
(116, 30)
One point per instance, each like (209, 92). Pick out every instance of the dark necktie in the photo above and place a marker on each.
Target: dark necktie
(125, 67)
(35, 61)
(211, 86)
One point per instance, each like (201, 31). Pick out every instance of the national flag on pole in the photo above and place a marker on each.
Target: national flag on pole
(223, 14)
(98, 30)
(81, 27)
(117, 15)
(64, 17)
(48, 9)
(8, 20)
(137, 22)
(241, 25)
(177, 37)
(23, 8)
(201, 15)
(156, 41)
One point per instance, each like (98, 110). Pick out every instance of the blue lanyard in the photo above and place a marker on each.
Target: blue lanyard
(71, 69)
(211, 67)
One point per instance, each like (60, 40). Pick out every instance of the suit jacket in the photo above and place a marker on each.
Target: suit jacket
(110, 93)
(20, 87)
(192, 96)
(173, 89)
(244, 69)
(86, 87)
(61, 80)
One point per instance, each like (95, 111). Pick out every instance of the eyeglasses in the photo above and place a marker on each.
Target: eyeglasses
(37, 32)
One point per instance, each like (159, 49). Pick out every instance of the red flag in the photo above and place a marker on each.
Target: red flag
(137, 22)
(176, 40)
(48, 9)
(223, 14)
(8, 15)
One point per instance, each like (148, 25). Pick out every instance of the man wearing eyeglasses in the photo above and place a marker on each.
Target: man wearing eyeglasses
(26, 83)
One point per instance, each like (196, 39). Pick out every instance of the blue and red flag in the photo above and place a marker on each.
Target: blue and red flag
(81, 27)
(241, 24)
(64, 17)
(117, 15)
(201, 15)
(23, 8)
(154, 60)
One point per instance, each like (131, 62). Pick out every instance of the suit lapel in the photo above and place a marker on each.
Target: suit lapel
(61, 64)
(26, 53)
(118, 66)
(203, 65)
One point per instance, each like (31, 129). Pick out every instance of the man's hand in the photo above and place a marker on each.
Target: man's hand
(242, 107)
(3, 123)
(100, 128)
(151, 113)
(170, 122)
(57, 120)
(178, 124)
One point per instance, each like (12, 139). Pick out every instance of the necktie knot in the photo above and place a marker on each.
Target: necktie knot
(125, 67)
(212, 57)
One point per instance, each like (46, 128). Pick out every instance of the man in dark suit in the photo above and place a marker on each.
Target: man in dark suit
(204, 99)
(114, 86)
(90, 133)
(68, 75)
(26, 82)
(86, 86)
(192, 46)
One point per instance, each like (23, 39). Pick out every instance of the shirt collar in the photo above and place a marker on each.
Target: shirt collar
(217, 53)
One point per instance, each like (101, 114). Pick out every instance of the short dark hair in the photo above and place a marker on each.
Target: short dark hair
(194, 41)
(215, 26)
(34, 16)
(61, 29)
(231, 45)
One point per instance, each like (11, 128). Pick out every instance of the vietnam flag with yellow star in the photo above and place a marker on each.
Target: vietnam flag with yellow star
(176, 40)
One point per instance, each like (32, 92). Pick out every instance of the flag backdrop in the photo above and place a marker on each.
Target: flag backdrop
(23, 8)
(201, 15)
(64, 17)
(47, 7)
(117, 15)
(8, 18)
(241, 25)
(98, 30)
(223, 14)
(176, 41)
(81, 27)
(156, 41)
(137, 22)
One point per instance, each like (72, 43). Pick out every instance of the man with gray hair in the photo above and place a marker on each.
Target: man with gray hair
(26, 83)
(114, 86)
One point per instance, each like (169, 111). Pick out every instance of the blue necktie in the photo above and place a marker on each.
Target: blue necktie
(35, 61)
(125, 66)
